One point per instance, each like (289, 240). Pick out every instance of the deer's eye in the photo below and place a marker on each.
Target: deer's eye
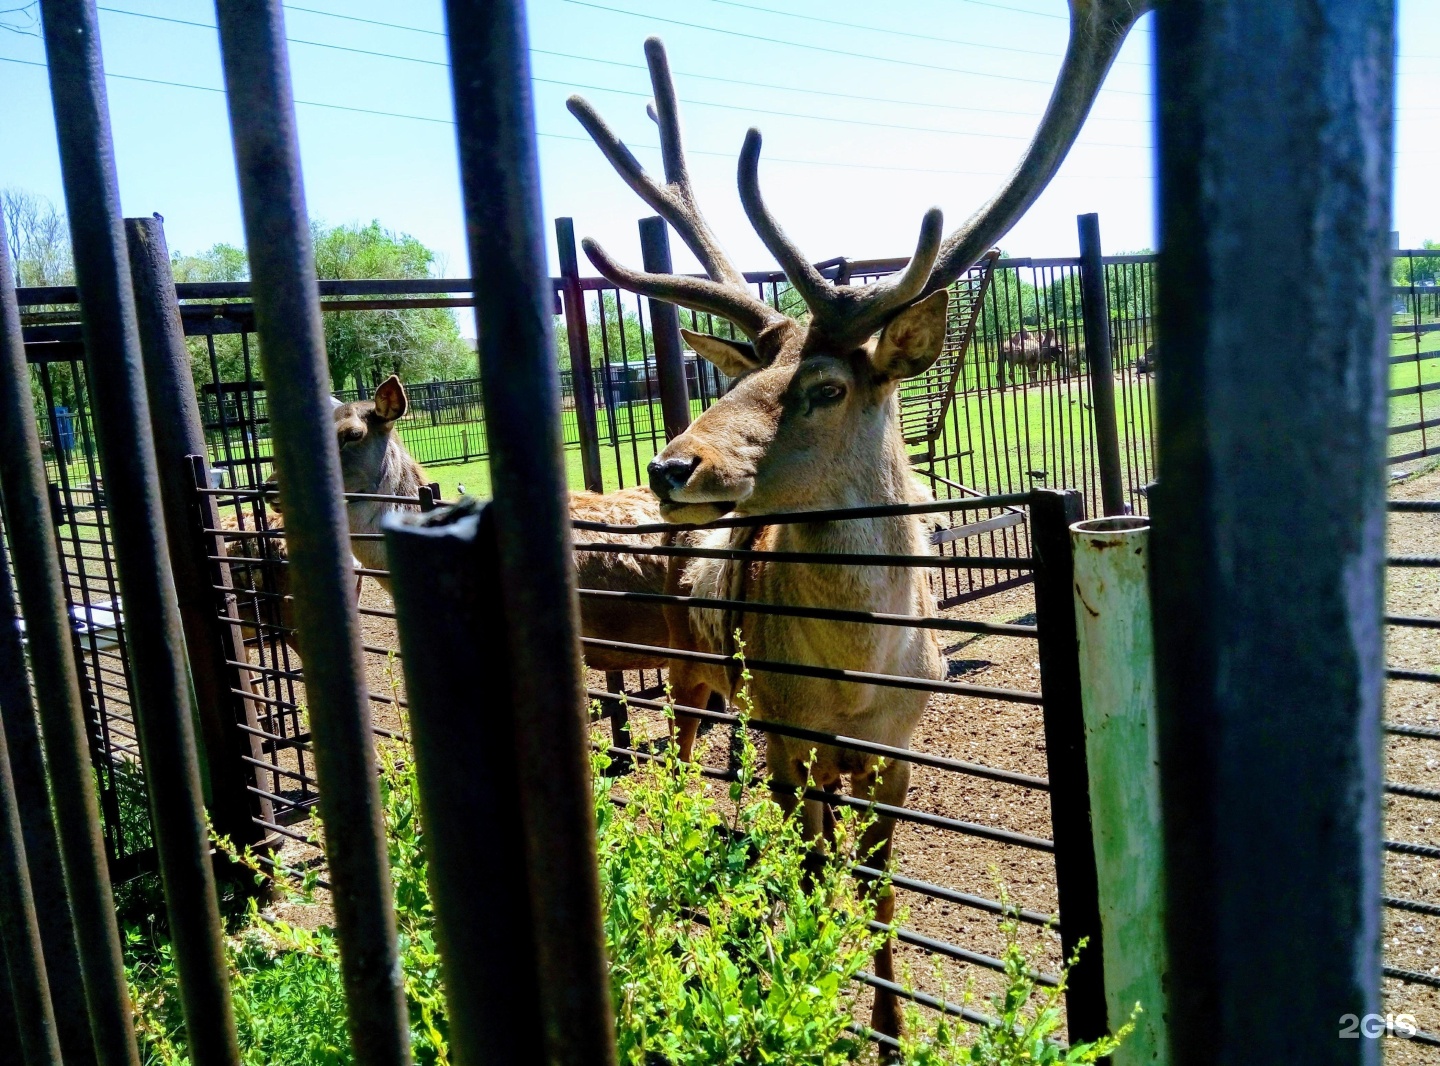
(826, 394)
(351, 435)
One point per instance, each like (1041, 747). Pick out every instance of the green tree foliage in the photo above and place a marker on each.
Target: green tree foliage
(1420, 269)
(419, 344)
(422, 344)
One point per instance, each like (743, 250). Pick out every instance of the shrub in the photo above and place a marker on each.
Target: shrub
(730, 939)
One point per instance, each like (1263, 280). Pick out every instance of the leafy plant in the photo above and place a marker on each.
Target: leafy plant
(731, 939)
(728, 942)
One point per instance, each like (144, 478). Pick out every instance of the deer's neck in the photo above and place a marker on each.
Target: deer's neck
(399, 475)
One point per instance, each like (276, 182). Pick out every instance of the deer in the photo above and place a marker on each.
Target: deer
(375, 462)
(811, 422)
(1020, 349)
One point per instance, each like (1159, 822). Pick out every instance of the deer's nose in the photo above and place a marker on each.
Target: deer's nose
(667, 475)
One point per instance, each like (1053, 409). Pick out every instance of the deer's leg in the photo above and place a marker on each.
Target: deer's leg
(687, 689)
(888, 786)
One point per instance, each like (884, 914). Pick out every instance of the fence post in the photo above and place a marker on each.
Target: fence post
(179, 438)
(1117, 675)
(297, 378)
(577, 333)
(1052, 512)
(21, 952)
(42, 851)
(156, 648)
(500, 181)
(1275, 130)
(1095, 310)
(445, 571)
(30, 519)
(665, 331)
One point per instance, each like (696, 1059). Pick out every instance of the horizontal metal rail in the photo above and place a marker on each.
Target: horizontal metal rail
(961, 899)
(1396, 673)
(827, 673)
(828, 614)
(957, 1010)
(790, 518)
(868, 747)
(1427, 561)
(1413, 791)
(1406, 847)
(1414, 905)
(1413, 506)
(966, 562)
(884, 810)
(1414, 621)
(959, 954)
(277, 533)
(1424, 732)
(1414, 977)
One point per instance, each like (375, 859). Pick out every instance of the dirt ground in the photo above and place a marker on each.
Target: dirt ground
(1011, 737)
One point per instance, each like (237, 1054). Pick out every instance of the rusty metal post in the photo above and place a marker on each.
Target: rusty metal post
(1275, 130)
(20, 951)
(577, 333)
(500, 179)
(665, 331)
(446, 576)
(1095, 310)
(175, 420)
(19, 730)
(297, 379)
(57, 690)
(1052, 513)
(156, 646)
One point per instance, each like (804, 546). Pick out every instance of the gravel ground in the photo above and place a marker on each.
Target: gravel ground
(1011, 736)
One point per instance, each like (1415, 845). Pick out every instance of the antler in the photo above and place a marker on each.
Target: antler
(726, 293)
(842, 313)
(1097, 30)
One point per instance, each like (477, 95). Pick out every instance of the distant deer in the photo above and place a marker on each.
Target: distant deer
(374, 461)
(812, 422)
(1034, 352)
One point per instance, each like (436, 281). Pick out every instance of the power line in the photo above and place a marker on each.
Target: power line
(912, 64)
(576, 137)
(626, 92)
(929, 37)
(826, 118)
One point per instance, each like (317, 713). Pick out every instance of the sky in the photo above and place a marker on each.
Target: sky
(871, 114)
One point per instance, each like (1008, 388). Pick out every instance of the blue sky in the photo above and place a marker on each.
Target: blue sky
(871, 114)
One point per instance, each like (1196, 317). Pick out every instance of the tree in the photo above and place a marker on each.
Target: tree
(420, 344)
(1419, 269)
(39, 239)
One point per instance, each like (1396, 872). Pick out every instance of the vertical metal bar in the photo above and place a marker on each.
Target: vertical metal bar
(20, 945)
(175, 421)
(1117, 677)
(577, 333)
(445, 573)
(1275, 131)
(156, 646)
(1095, 309)
(42, 852)
(57, 691)
(1052, 512)
(297, 386)
(500, 179)
(665, 331)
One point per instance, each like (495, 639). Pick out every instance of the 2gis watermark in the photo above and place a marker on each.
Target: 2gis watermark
(1375, 1026)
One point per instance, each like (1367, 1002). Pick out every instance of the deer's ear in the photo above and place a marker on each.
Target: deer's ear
(731, 358)
(912, 340)
(390, 400)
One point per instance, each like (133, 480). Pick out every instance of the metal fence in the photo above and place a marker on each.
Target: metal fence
(269, 593)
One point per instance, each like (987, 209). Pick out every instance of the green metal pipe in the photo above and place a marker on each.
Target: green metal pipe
(1117, 678)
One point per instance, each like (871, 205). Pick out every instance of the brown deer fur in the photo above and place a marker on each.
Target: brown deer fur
(812, 423)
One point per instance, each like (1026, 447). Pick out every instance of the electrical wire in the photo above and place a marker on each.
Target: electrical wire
(909, 63)
(585, 140)
(628, 92)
